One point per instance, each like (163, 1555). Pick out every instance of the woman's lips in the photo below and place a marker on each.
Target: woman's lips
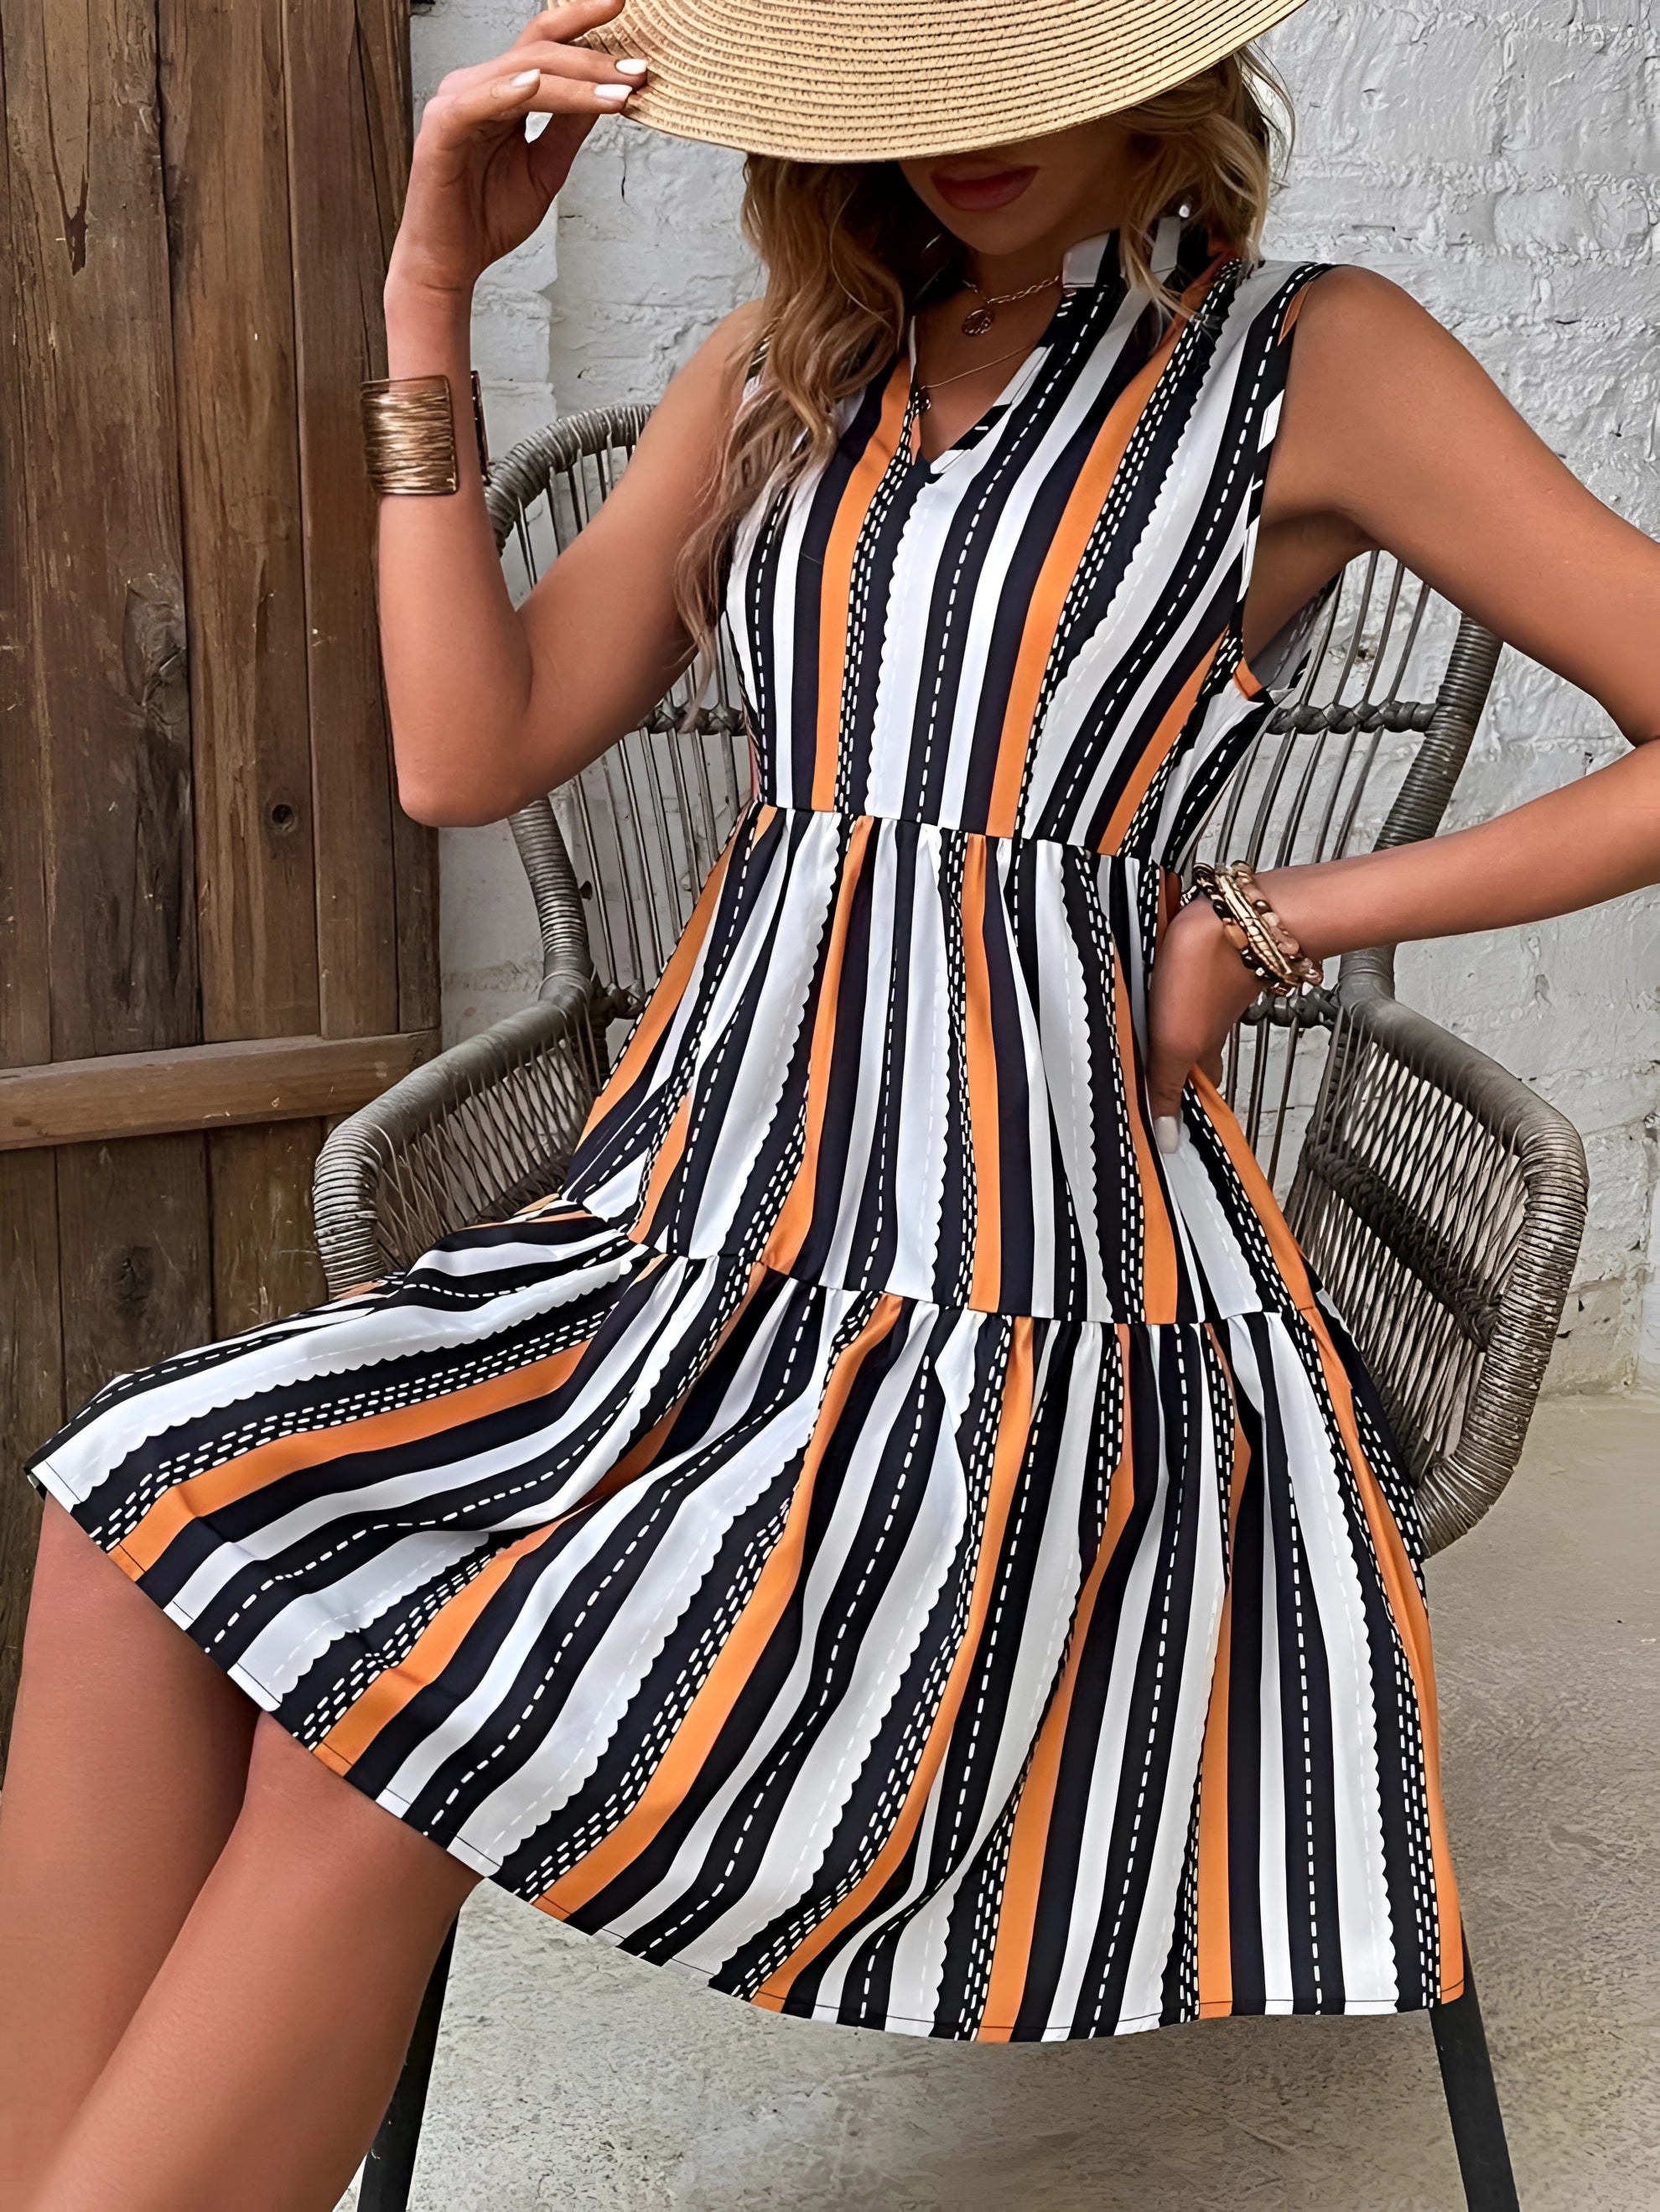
(975, 189)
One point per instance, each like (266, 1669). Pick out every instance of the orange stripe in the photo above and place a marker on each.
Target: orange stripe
(1159, 1279)
(1215, 1930)
(835, 589)
(426, 1658)
(1060, 568)
(671, 989)
(1407, 1605)
(207, 1493)
(985, 1127)
(668, 1157)
(1155, 753)
(1287, 1258)
(723, 1684)
(1014, 1422)
(789, 1231)
(1215, 1933)
(1017, 1917)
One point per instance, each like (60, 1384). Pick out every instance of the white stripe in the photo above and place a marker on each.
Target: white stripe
(1065, 1044)
(1369, 1960)
(879, 888)
(1271, 1776)
(767, 1041)
(1037, 1110)
(922, 1102)
(316, 1620)
(1194, 1666)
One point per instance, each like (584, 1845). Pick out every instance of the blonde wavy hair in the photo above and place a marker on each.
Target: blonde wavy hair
(849, 250)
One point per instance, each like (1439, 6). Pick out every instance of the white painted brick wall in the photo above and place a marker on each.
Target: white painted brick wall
(1503, 163)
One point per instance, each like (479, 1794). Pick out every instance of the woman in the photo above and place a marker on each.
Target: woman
(900, 1538)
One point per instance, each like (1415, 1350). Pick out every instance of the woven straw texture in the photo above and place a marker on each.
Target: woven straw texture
(900, 80)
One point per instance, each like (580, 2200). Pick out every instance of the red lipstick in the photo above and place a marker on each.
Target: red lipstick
(975, 191)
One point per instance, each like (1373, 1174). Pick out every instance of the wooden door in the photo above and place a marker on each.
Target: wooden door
(217, 932)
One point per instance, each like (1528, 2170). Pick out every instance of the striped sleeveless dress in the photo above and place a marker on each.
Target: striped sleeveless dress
(885, 1539)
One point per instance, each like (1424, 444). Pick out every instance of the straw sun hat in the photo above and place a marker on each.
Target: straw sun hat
(895, 80)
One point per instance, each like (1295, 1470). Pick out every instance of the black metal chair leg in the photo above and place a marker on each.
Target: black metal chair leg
(1478, 2125)
(389, 2170)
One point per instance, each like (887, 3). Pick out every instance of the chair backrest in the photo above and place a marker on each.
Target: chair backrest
(645, 823)
(1384, 712)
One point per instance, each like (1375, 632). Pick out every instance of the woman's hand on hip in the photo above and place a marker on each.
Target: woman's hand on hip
(479, 187)
(1200, 986)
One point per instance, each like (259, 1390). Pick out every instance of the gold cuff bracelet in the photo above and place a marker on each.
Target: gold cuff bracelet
(1253, 928)
(409, 434)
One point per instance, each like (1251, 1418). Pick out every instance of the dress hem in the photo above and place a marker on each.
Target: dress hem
(991, 2032)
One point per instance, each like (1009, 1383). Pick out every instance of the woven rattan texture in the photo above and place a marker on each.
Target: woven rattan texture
(892, 80)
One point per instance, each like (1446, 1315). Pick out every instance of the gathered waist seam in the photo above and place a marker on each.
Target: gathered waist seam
(669, 1254)
(759, 803)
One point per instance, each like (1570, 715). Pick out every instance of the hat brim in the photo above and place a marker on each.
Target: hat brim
(885, 80)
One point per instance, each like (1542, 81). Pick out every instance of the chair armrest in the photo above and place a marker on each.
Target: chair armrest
(484, 1129)
(1442, 1205)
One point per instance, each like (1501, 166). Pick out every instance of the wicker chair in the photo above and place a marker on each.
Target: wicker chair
(1441, 1202)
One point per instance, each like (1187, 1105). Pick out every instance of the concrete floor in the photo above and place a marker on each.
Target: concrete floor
(571, 2075)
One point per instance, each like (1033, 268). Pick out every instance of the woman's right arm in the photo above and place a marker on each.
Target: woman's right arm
(491, 705)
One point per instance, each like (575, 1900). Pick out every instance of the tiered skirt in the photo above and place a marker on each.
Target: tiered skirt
(927, 1669)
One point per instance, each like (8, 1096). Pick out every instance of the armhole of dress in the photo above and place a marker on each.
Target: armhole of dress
(1279, 662)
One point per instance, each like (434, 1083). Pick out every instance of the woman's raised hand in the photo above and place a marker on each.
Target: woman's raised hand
(479, 187)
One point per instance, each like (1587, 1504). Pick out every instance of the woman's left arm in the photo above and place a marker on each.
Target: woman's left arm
(1394, 436)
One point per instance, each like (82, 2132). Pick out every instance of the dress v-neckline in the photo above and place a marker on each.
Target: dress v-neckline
(1025, 370)
(1081, 270)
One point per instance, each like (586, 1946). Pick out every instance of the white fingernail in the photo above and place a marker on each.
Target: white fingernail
(1168, 1130)
(522, 82)
(631, 69)
(612, 95)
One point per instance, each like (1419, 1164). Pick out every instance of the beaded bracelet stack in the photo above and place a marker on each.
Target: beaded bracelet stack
(1253, 928)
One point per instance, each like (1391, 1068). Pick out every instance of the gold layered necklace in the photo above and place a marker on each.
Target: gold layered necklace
(924, 390)
(979, 319)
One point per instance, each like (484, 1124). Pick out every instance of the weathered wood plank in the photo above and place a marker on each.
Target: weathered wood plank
(227, 200)
(31, 1391)
(31, 1386)
(338, 276)
(265, 1255)
(25, 999)
(201, 1087)
(133, 1237)
(92, 335)
(383, 48)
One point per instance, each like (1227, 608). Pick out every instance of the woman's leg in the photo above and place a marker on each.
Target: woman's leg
(129, 1760)
(258, 2067)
